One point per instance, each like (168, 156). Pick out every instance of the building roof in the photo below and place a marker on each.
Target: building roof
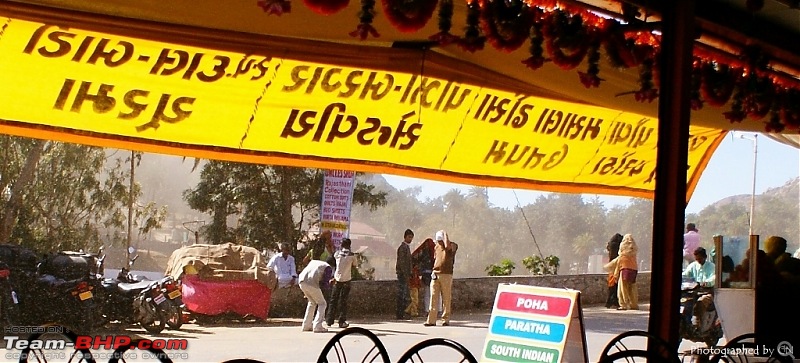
(378, 247)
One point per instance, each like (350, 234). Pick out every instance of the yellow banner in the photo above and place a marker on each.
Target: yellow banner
(84, 86)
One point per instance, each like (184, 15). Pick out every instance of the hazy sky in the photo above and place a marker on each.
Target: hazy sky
(730, 172)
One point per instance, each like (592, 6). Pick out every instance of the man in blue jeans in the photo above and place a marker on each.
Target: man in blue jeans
(403, 270)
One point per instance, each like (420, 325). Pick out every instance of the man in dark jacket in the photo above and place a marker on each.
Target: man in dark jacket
(403, 270)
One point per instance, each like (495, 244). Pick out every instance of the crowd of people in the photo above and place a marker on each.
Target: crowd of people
(424, 279)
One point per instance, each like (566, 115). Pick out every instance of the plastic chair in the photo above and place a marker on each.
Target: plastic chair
(618, 349)
(413, 354)
(377, 353)
(742, 349)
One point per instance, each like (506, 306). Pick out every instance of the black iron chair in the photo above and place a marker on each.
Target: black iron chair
(743, 349)
(335, 345)
(119, 353)
(619, 349)
(54, 331)
(414, 354)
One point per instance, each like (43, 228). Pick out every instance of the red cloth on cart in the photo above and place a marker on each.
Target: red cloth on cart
(242, 297)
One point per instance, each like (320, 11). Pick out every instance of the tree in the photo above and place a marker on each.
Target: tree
(64, 198)
(270, 204)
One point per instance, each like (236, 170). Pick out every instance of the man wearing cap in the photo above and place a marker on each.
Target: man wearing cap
(403, 270)
(442, 278)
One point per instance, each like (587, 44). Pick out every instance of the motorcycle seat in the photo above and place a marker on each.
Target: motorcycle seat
(133, 287)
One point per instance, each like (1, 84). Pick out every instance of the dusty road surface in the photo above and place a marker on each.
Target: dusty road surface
(281, 339)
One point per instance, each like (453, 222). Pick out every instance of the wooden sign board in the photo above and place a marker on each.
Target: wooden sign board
(535, 324)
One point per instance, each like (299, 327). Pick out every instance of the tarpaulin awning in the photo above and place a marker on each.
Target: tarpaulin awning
(304, 103)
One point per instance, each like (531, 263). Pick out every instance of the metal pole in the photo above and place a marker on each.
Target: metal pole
(753, 193)
(130, 207)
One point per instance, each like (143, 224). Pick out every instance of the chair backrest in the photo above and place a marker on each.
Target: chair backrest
(745, 348)
(119, 354)
(634, 344)
(338, 348)
(416, 354)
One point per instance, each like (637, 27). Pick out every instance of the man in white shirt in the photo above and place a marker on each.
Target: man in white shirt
(345, 262)
(701, 270)
(317, 275)
(284, 266)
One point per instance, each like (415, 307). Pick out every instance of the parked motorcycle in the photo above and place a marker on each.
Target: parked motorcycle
(130, 301)
(699, 319)
(174, 311)
(8, 298)
(61, 291)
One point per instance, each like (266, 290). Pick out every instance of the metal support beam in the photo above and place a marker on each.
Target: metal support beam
(670, 192)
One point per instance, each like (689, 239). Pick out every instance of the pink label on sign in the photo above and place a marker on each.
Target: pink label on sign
(537, 304)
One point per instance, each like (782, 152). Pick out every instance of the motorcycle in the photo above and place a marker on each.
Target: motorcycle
(131, 300)
(173, 312)
(699, 320)
(8, 299)
(61, 291)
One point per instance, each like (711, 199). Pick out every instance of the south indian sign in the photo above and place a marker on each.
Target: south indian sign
(535, 324)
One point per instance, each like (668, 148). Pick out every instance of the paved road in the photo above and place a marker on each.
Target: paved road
(281, 340)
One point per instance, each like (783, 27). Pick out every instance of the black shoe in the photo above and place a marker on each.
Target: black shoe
(329, 323)
(446, 323)
(343, 324)
(426, 324)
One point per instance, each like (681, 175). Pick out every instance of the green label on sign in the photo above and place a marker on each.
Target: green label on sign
(510, 352)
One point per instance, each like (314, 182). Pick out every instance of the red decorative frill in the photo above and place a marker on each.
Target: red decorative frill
(409, 16)
(506, 24)
(326, 7)
(566, 39)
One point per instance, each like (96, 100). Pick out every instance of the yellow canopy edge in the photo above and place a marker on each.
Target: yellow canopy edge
(79, 83)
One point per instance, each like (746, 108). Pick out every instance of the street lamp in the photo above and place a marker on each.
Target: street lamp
(754, 139)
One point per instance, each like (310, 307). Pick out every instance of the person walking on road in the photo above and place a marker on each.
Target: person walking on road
(403, 270)
(627, 268)
(442, 278)
(345, 263)
(316, 275)
(423, 258)
(612, 302)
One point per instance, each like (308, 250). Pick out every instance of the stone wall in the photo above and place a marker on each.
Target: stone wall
(475, 294)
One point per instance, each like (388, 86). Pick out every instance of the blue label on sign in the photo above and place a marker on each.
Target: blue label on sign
(528, 329)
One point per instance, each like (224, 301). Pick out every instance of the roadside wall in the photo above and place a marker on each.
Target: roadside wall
(474, 294)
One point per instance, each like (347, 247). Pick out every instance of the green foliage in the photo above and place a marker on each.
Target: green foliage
(542, 266)
(76, 196)
(504, 268)
(364, 270)
(273, 204)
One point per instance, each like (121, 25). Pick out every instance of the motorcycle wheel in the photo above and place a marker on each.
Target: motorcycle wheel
(174, 316)
(153, 321)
